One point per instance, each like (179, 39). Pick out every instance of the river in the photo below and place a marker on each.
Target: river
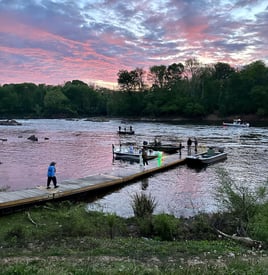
(82, 148)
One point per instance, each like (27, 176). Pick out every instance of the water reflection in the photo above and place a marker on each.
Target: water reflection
(181, 191)
(144, 183)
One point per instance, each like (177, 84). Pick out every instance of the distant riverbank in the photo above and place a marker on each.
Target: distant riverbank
(209, 119)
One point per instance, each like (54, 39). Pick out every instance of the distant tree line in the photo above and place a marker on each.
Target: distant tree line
(189, 90)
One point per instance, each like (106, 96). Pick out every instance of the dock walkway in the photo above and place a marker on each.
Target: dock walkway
(67, 188)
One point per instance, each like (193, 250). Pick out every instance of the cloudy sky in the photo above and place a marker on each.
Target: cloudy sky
(54, 41)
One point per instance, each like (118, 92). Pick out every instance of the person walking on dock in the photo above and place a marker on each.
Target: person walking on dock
(51, 175)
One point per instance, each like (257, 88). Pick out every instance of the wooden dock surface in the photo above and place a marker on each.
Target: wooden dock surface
(68, 188)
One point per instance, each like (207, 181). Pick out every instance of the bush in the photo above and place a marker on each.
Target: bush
(112, 222)
(259, 224)
(200, 227)
(143, 205)
(224, 221)
(145, 226)
(165, 226)
(240, 200)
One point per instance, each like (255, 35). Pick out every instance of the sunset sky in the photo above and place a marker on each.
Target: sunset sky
(54, 41)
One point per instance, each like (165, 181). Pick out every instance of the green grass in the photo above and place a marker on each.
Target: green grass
(65, 239)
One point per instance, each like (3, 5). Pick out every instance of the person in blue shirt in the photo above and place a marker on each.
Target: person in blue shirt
(51, 175)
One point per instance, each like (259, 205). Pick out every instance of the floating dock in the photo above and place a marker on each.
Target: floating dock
(15, 200)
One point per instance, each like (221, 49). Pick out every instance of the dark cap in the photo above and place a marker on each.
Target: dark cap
(53, 163)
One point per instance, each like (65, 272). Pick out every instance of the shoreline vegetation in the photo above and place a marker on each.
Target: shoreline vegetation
(66, 238)
(212, 118)
(191, 91)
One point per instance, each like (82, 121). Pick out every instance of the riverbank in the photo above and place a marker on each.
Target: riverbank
(210, 119)
(65, 239)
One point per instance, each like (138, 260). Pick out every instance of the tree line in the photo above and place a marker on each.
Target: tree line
(190, 90)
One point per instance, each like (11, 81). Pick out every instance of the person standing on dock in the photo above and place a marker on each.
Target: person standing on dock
(144, 156)
(195, 145)
(180, 147)
(189, 144)
(51, 175)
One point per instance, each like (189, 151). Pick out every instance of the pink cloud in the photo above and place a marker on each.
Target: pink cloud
(59, 42)
(65, 60)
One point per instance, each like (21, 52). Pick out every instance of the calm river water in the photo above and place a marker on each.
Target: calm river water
(83, 148)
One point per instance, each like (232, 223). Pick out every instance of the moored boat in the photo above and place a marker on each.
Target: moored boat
(132, 153)
(212, 155)
(166, 148)
(236, 123)
(125, 130)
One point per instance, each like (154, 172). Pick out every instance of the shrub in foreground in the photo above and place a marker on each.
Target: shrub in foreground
(165, 226)
(259, 224)
(241, 201)
(143, 205)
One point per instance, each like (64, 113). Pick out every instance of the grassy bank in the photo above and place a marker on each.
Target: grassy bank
(65, 239)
